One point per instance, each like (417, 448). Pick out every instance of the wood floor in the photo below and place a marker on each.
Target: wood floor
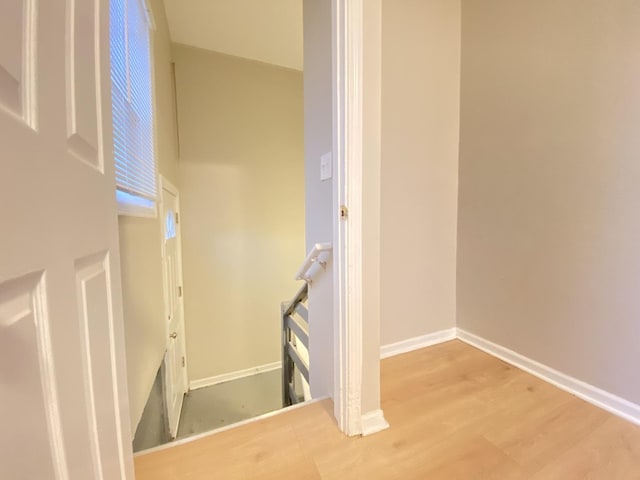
(455, 413)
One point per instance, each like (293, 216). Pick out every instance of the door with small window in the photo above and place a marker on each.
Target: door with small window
(175, 358)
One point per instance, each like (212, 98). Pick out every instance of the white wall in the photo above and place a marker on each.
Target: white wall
(318, 140)
(242, 199)
(140, 243)
(420, 127)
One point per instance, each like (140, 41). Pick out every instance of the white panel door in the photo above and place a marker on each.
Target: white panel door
(175, 358)
(64, 412)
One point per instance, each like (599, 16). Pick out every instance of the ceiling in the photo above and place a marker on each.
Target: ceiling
(265, 30)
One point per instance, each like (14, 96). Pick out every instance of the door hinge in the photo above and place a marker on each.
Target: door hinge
(183, 362)
(177, 218)
(179, 291)
(344, 212)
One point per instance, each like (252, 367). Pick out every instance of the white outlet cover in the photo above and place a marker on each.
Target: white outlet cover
(325, 166)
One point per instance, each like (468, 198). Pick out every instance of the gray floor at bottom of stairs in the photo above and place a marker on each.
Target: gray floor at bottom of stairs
(209, 408)
(230, 402)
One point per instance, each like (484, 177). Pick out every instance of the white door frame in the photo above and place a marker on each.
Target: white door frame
(347, 76)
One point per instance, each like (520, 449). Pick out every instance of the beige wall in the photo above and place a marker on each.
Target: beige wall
(140, 243)
(420, 126)
(318, 140)
(242, 198)
(549, 229)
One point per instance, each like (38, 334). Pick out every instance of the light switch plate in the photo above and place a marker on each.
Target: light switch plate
(325, 166)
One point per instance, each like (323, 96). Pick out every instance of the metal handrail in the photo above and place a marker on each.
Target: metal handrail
(300, 297)
(295, 326)
(295, 331)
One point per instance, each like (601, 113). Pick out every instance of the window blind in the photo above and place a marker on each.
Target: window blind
(132, 102)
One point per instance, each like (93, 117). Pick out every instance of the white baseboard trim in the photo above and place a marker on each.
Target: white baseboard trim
(416, 343)
(227, 377)
(594, 395)
(373, 422)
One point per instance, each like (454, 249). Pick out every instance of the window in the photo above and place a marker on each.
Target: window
(132, 108)
(170, 225)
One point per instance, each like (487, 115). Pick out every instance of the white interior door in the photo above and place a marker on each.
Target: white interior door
(175, 358)
(64, 412)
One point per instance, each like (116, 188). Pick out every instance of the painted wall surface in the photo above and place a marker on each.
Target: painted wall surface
(318, 140)
(549, 230)
(140, 242)
(242, 198)
(420, 128)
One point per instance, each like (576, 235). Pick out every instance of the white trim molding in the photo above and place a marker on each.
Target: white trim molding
(373, 422)
(227, 377)
(347, 24)
(417, 343)
(594, 395)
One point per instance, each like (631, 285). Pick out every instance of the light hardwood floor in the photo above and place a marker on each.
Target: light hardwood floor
(455, 413)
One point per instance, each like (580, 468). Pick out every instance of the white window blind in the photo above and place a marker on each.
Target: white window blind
(132, 105)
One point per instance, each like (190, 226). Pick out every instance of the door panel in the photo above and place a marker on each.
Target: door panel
(24, 342)
(17, 56)
(82, 88)
(175, 358)
(59, 274)
(96, 325)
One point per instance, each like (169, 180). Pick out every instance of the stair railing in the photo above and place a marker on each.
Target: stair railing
(295, 329)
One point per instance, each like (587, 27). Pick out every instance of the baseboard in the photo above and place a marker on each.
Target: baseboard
(594, 395)
(227, 377)
(416, 343)
(373, 422)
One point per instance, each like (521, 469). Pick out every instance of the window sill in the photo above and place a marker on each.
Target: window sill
(135, 206)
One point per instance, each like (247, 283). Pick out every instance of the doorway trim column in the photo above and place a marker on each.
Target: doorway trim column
(347, 52)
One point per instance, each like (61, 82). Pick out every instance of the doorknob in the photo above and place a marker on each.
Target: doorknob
(173, 335)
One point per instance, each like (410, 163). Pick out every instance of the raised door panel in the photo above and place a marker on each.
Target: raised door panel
(173, 287)
(30, 443)
(174, 395)
(17, 58)
(83, 97)
(181, 356)
(96, 327)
